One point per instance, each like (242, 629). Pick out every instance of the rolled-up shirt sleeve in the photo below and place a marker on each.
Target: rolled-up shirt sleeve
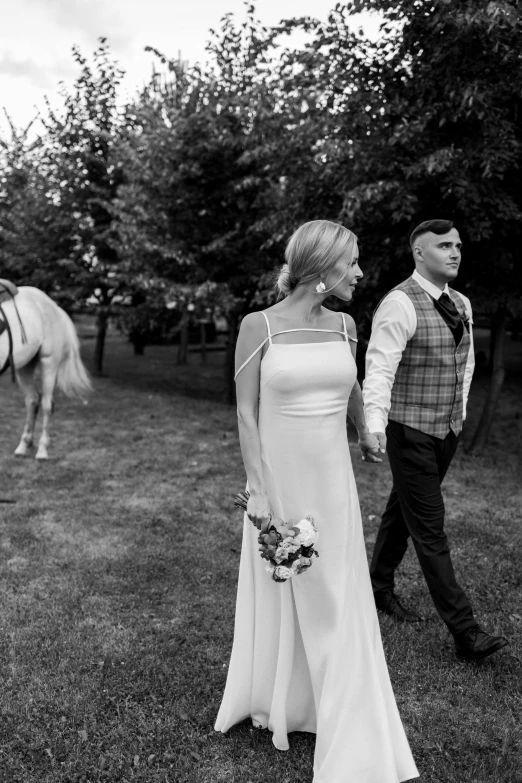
(393, 325)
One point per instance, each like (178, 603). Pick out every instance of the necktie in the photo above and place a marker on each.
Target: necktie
(448, 311)
(446, 308)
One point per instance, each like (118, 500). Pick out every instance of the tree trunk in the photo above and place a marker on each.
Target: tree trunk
(183, 342)
(138, 342)
(230, 386)
(102, 320)
(480, 437)
(492, 338)
(203, 333)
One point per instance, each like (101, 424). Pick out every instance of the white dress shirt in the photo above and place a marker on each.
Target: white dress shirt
(393, 325)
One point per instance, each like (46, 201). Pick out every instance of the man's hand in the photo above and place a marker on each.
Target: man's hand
(369, 445)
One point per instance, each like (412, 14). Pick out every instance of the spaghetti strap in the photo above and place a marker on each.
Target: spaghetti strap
(329, 331)
(348, 336)
(252, 355)
(344, 327)
(267, 338)
(267, 327)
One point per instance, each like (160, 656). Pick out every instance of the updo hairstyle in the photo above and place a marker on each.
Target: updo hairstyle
(311, 252)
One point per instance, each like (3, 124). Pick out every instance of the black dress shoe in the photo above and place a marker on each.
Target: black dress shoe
(388, 602)
(474, 643)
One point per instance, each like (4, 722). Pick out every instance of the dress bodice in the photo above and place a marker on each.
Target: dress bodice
(307, 379)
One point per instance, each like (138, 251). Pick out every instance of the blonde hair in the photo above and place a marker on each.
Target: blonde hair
(311, 252)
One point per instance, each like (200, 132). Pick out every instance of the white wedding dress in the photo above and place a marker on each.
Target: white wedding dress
(307, 654)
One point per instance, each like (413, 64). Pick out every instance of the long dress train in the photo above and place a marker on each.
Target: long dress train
(307, 654)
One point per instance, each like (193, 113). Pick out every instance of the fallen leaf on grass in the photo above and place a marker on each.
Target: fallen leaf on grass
(136, 761)
(195, 755)
(82, 735)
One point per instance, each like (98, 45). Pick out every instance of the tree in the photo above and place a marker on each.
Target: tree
(204, 193)
(84, 172)
(35, 236)
(427, 122)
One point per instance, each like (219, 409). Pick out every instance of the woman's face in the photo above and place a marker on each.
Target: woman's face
(347, 271)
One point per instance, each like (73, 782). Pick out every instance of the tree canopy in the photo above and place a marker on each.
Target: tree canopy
(203, 175)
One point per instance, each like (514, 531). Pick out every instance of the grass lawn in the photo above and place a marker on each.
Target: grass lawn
(118, 567)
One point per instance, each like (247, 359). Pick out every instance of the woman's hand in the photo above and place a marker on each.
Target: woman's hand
(258, 510)
(369, 445)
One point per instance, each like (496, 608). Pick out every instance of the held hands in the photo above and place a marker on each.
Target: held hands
(258, 510)
(372, 444)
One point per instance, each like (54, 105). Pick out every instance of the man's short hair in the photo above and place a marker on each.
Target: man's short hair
(436, 226)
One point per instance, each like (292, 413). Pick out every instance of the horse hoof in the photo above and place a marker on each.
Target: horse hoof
(42, 456)
(20, 452)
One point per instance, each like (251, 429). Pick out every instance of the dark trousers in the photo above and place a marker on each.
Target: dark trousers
(415, 508)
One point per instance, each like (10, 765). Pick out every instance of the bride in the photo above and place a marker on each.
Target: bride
(307, 653)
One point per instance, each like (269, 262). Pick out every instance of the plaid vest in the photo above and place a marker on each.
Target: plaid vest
(427, 392)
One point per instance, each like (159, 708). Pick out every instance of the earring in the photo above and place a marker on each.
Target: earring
(320, 287)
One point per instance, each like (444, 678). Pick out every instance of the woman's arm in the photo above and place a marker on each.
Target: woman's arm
(356, 410)
(368, 443)
(251, 335)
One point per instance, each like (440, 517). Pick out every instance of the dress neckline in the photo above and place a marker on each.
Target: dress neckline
(325, 342)
(270, 335)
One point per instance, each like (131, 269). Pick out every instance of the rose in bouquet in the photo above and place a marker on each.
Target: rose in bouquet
(289, 547)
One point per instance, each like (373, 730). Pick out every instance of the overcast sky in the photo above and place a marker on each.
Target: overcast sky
(36, 37)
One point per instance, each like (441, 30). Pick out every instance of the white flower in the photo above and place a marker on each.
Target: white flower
(308, 534)
(288, 546)
(270, 569)
(280, 555)
(282, 572)
(303, 563)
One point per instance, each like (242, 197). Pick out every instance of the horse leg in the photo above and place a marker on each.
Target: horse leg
(25, 377)
(49, 372)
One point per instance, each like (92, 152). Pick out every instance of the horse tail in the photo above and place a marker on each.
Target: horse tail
(72, 378)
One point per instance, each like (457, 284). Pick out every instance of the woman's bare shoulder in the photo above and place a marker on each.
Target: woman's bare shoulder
(254, 324)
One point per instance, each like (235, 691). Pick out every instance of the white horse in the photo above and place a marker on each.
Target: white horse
(44, 337)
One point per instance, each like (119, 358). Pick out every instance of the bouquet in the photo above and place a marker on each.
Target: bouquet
(288, 546)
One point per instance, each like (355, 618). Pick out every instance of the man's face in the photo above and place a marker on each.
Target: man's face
(437, 256)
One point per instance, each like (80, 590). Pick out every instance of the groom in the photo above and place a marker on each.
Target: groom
(419, 367)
